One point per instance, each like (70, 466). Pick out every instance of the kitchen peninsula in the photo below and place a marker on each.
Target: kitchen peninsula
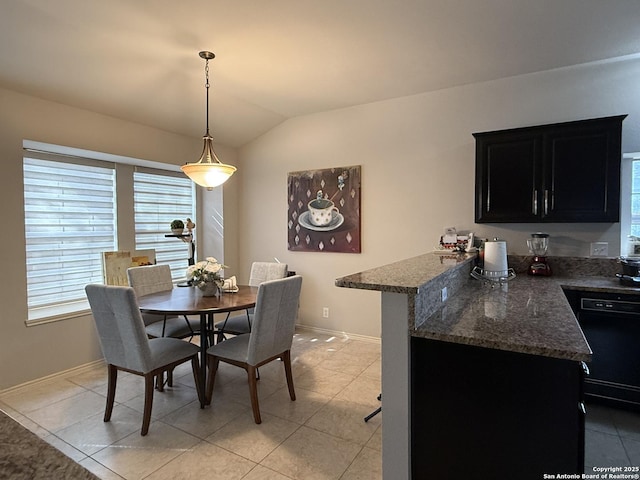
(486, 382)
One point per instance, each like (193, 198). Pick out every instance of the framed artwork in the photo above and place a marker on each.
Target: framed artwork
(324, 210)
(115, 264)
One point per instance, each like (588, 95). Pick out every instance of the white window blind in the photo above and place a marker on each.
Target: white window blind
(70, 219)
(635, 198)
(159, 198)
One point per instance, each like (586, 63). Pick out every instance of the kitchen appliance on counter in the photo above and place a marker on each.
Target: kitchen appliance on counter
(494, 263)
(539, 246)
(611, 324)
(630, 271)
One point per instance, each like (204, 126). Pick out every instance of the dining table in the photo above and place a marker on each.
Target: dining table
(190, 301)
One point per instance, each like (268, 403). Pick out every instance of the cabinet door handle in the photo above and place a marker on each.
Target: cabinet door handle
(546, 202)
(582, 408)
(535, 202)
(585, 369)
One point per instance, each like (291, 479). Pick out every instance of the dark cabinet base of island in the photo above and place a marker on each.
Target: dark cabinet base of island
(492, 414)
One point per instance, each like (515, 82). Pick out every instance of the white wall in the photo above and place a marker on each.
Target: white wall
(33, 352)
(417, 157)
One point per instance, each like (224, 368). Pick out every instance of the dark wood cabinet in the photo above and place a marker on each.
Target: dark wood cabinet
(565, 172)
(484, 413)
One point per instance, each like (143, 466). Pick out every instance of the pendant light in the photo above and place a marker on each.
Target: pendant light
(209, 171)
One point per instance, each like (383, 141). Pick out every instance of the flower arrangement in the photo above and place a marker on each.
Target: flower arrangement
(206, 271)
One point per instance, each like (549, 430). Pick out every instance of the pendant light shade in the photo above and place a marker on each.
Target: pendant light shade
(209, 171)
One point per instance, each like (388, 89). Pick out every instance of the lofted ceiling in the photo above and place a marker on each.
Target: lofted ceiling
(138, 59)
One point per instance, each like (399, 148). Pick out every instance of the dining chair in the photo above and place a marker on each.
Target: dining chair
(241, 324)
(157, 278)
(270, 338)
(126, 347)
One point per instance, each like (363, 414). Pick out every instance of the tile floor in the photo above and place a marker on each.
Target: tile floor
(612, 438)
(319, 436)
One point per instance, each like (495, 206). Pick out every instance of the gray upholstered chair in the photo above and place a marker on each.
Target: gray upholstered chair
(270, 338)
(126, 347)
(157, 278)
(241, 324)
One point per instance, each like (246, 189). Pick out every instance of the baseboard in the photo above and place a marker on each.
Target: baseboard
(340, 334)
(75, 370)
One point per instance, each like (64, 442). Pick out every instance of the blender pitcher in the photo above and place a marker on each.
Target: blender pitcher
(539, 245)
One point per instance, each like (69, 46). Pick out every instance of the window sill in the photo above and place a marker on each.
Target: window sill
(57, 313)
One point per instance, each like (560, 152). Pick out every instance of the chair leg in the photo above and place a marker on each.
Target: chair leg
(286, 357)
(160, 380)
(164, 324)
(253, 392)
(212, 363)
(372, 414)
(375, 412)
(195, 367)
(248, 319)
(112, 373)
(148, 403)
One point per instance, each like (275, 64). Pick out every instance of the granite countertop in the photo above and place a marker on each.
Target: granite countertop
(405, 276)
(604, 284)
(527, 314)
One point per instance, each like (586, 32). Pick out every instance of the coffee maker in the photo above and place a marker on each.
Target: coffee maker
(539, 246)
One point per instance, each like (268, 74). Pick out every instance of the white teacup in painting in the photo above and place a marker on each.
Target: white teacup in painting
(321, 212)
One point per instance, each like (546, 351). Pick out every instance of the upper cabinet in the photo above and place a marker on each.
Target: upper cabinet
(565, 172)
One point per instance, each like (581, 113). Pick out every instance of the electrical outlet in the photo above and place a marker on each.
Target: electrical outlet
(325, 312)
(444, 294)
(599, 249)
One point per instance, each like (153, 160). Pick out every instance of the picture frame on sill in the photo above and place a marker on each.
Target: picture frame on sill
(323, 213)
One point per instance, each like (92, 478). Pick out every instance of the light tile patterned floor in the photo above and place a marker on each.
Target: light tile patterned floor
(612, 438)
(319, 436)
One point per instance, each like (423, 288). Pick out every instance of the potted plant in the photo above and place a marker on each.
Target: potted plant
(177, 227)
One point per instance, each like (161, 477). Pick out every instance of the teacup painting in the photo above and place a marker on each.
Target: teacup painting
(322, 211)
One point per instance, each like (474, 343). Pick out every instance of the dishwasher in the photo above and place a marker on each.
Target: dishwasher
(611, 325)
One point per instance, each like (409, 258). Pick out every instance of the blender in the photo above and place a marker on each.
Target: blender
(538, 246)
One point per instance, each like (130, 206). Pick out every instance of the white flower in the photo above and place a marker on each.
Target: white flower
(191, 271)
(206, 271)
(213, 267)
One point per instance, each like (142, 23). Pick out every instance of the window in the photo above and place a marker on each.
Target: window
(635, 198)
(160, 197)
(630, 202)
(72, 216)
(69, 220)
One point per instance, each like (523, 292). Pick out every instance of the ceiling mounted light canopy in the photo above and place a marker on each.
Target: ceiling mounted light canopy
(209, 171)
